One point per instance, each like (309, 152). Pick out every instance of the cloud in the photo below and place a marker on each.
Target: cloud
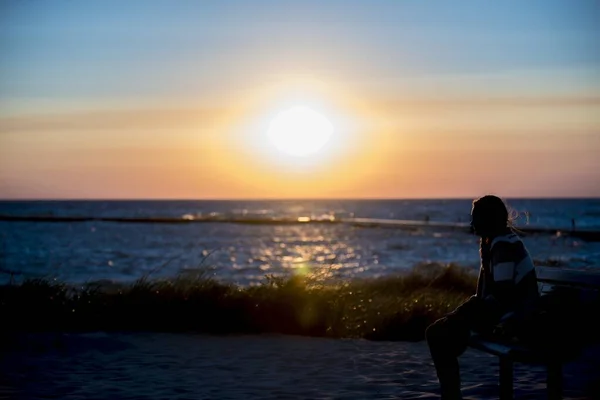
(115, 119)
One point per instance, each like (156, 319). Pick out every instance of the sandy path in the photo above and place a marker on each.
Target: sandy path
(186, 366)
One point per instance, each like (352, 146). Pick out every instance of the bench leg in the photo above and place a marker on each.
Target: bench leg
(554, 382)
(506, 378)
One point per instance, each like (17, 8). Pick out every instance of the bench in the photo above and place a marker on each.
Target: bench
(570, 298)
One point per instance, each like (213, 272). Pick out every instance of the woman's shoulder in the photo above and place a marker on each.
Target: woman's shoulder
(508, 248)
(507, 238)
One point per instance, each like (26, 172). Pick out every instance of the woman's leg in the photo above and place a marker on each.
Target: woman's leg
(448, 338)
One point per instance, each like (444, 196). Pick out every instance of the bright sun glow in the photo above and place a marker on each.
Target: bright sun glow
(300, 131)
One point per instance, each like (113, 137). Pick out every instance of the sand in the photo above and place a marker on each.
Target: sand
(189, 366)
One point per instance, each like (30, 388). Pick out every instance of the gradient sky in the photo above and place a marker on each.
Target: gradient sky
(172, 99)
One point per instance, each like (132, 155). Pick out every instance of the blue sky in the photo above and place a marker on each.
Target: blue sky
(97, 49)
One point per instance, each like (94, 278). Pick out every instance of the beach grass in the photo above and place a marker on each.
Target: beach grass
(388, 308)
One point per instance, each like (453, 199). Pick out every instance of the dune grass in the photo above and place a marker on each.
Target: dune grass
(391, 308)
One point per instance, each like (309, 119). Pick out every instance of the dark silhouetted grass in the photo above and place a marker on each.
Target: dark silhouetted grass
(390, 308)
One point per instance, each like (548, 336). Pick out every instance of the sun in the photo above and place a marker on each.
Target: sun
(300, 131)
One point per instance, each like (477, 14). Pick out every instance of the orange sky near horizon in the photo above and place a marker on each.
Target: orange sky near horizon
(382, 149)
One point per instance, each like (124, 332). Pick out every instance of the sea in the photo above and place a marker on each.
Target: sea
(243, 242)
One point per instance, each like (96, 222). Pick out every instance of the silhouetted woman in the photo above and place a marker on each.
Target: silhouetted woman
(505, 299)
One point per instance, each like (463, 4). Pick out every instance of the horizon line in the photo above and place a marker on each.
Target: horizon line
(303, 198)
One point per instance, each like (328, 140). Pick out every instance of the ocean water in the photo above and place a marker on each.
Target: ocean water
(88, 250)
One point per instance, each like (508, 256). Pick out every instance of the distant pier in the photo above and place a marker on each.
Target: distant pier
(583, 234)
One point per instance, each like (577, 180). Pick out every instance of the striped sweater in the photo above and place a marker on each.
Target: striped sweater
(507, 277)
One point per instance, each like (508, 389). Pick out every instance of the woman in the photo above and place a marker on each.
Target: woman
(506, 297)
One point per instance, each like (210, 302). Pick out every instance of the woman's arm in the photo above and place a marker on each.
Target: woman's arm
(515, 283)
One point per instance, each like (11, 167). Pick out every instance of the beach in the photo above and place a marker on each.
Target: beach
(193, 366)
(307, 278)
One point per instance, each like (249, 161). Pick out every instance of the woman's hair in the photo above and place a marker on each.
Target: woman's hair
(496, 216)
(493, 212)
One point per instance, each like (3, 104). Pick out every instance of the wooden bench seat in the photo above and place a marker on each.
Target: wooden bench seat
(573, 301)
(522, 353)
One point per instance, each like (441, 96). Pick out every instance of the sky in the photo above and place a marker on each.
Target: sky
(174, 99)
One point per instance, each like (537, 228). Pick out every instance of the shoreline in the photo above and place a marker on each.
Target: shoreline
(586, 234)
